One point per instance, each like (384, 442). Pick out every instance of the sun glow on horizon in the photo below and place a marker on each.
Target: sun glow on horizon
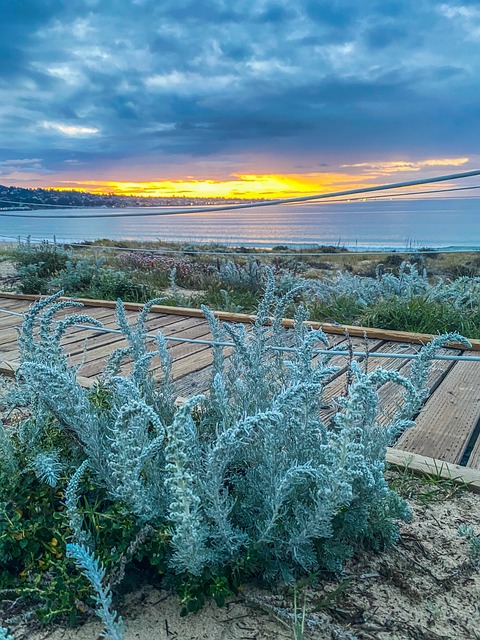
(271, 186)
(248, 186)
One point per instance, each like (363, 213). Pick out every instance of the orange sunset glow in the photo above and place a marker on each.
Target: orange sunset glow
(241, 187)
(270, 186)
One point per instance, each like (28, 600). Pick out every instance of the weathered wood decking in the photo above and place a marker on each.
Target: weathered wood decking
(446, 431)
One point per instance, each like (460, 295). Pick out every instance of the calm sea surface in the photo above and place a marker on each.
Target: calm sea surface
(452, 223)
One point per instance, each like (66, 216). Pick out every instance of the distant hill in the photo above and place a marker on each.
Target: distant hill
(20, 198)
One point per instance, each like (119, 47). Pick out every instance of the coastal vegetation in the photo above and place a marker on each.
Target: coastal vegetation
(108, 489)
(245, 483)
(425, 292)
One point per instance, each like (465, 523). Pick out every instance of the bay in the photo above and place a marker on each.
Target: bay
(452, 223)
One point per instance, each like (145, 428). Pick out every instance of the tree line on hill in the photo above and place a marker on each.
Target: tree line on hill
(22, 198)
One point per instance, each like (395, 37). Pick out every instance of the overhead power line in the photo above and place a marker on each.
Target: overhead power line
(241, 254)
(252, 205)
(216, 343)
(334, 200)
(44, 204)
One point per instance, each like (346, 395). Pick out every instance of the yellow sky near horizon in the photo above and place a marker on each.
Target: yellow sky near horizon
(242, 186)
(256, 185)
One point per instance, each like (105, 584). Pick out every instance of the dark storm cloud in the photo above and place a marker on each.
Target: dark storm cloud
(87, 83)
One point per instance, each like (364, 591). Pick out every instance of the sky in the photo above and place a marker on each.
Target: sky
(242, 98)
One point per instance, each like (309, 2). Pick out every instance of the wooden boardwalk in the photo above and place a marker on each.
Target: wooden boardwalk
(447, 429)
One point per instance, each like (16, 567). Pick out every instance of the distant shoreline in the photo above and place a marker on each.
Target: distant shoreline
(130, 244)
(442, 225)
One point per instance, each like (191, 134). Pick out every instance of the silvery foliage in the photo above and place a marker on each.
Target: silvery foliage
(77, 275)
(253, 274)
(367, 291)
(249, 470)
(47, 466)
(234, 275)
(94, 571)
(75, 519)
(173, 286)
(123, 442)
(40, 342)
(4, 634)
(7, 451)
(468, 531)
(463, 293)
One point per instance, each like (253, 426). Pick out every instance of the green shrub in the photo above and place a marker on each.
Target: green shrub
(245, 483)
(422, 315)
(77, 277)
(111, 285)
(87, 280)
(343, 309)
(48, 259)
(231, 300)
(31, 282)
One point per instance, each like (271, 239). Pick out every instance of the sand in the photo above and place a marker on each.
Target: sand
(425, 588)
(7, 270)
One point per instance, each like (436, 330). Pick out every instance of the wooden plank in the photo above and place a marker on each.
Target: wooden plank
(339, 329)
(391, 393)
(194, 382)
(195, 361)
(474, 458)
(422, 465)
(14, 305)
(197, 377)
(7, 320)
(93, 366)
(450, 415)
(8, 333)
(7, 337)
(75, 343)
(10, 369)
(104, 315)
(96, 337)
(338, 384)
(75, 335)
(167, 325)
(9, 343)
(198, 381)
(95, 312)
(198, 361)
(93, 340)
(178, 324)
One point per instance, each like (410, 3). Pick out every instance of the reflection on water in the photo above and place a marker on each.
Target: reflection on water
(436, 222)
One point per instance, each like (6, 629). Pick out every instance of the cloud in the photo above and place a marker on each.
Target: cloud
(466, 17)
(400, 166)
(161, 87)
(70, 129)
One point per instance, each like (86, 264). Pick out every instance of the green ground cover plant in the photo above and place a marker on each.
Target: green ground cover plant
(245, 483)
(48, 258)
(48, 267)
(422, 315)
(396, 295)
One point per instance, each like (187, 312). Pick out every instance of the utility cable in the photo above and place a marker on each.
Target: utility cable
(214, 343)
(334, 200)
(266, 203)
(241, 254)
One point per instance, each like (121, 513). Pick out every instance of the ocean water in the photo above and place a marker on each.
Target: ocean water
(452, 223)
